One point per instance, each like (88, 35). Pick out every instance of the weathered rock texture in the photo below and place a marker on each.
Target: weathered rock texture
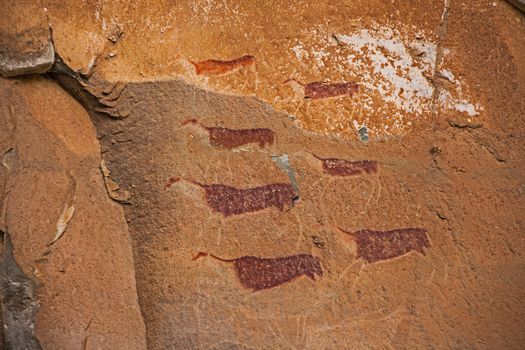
(19, 303)
(85, 281)
(26, 46)
(350, 175)
(520, 4)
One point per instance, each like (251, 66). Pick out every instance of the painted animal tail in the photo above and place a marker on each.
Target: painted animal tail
(203, 254)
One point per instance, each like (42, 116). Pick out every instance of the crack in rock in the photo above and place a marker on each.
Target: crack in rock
(95, 95)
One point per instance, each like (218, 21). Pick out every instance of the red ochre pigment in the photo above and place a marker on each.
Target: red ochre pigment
(263, 273)
(232, 138)
(218, 67)
(229, 200)
(375, 246)
(343, 167)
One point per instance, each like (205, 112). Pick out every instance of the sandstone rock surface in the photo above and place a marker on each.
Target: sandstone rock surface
(26, 45)
(85, 281)
(262, 175)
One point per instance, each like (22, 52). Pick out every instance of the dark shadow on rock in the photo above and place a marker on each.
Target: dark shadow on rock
(19, 302)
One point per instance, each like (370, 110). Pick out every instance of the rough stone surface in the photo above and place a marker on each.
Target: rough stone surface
(390, 49)
(401, 128)
(85, 281)
(520, 4)
(26, 46)
(203, 303)
(19, 303)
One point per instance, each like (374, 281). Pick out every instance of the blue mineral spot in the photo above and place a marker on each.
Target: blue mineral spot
(363, 134)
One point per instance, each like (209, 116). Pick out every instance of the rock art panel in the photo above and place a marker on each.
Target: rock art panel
(264, 273)
(399, 78)
(417, 69)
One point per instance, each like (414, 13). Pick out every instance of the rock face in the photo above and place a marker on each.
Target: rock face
(169, 225)
(19, 303)
(520, 4)
(26, 59)
(26, 46)
(85, 281)
(257, 175)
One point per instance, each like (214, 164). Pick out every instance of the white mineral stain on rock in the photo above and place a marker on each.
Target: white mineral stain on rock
(467, 107)
(394, 69)
(455, 99)
(448, 75)
(384, 63)
(299, 51)
(448, 102)
(319, 55)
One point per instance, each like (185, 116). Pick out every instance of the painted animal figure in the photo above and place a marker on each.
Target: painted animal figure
(218, 67)
(263, 273)
(343, 167)
(232, 138)
(229, 200)
(318, 90)
(374, 246)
